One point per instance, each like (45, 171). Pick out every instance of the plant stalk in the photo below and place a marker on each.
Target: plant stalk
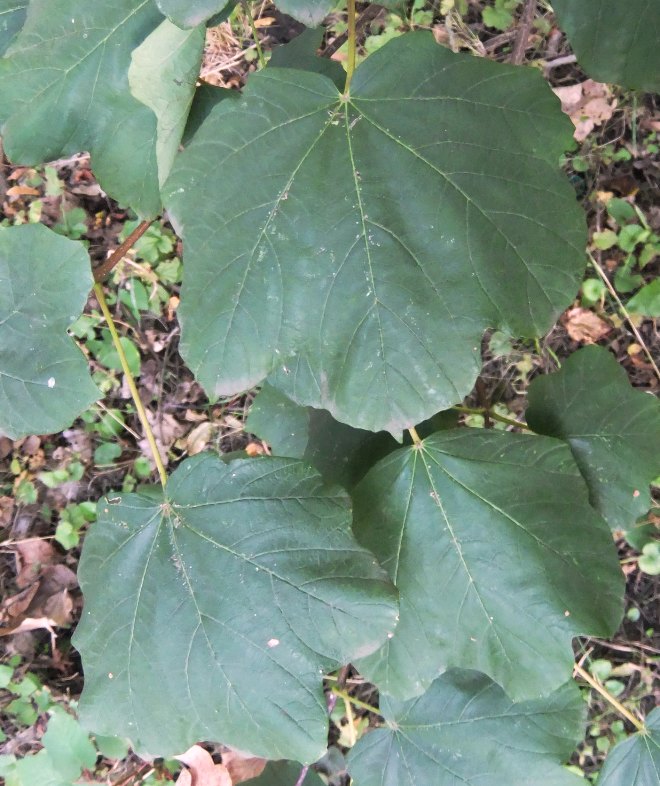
(100, 296)
(352, 46)
(596, 685)
(255, 36)
(119, 253)
(346, 697)
(415, 436)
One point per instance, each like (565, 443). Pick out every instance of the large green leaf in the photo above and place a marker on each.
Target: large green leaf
(162, 75)
(389, 230)
(498, 557)
(44, 378)
(309, 12)
(613, 430)
(285, 773)
(615, 42)
(464, 731)
(635, 761)
(64, 88)
(219, 609)
(190, 13)
(12, 17)
(341, 453)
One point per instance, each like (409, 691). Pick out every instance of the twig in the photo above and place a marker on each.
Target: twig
(524, 29)
(559, 61)
(626, 314)
(361, 704)
(302, 776)
(118, 254)
(492, 415)
(595, 684)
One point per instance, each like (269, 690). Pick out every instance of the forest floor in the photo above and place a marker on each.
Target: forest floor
(48, 482)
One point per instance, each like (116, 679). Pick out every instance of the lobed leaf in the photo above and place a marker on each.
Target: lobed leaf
(464, 730)
(369, 301)
(191, 13)
(498, 558)
(44, 378)
(64, 88)
(613, 430)
(635, 761)
(615, 42)
(220, 607)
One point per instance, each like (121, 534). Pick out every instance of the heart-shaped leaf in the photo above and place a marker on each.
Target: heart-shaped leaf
(635, 761)
(464, 730)
(369, 299)
(79, 98)
(615, 42)
(220, 607)
(613, 430)
(44, 283)
(498, 557)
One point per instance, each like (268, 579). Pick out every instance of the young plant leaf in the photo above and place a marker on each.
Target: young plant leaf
(615, 42)
(370, 300)
(12, 17)
(162, 75)
(190, 13)
(635, 761)
(478, 532)
(464, 730)
(44, 378)
(612, 429)
(78, 98)
(220, 607)
(341, 453)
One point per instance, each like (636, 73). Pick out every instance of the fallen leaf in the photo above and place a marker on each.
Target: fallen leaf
(585, 327)
(255, 449)
(588, 104)
(199, 438)
(32, 555)
(241, 767)
(22, 191)
(201, 769)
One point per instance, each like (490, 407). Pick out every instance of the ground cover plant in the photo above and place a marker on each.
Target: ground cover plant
(349, 236)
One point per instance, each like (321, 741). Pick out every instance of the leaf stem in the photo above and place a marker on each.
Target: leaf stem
(119, 253)
(253, 27)
(346, 697)
(596, 685)
(352, 46)
(415, 436)
(493, 415)
(100, 296)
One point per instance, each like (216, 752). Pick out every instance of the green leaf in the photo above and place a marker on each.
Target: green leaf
(68, 746)
(44, 378)
(464, 730)
(477, 530)
(649, 561)
(615, 42)
(162, 75)
(310, 12)
(612, 429)
(109, 357)
(40, 769)
(12, 17)
(285, 773)
(112, 747)
(635, 761)
(370, 301)
(647, 301)
(79, 98)
(341, 453)
(301, 53)
(191, 13)
(221, 607)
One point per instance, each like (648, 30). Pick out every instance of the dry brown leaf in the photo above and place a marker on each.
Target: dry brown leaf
(588, 104)
(199, 438)
(22, 191)
(255, 449)
(6, 510)
(241, 767)
(201, 769)
(31, 556)
(585, 327)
